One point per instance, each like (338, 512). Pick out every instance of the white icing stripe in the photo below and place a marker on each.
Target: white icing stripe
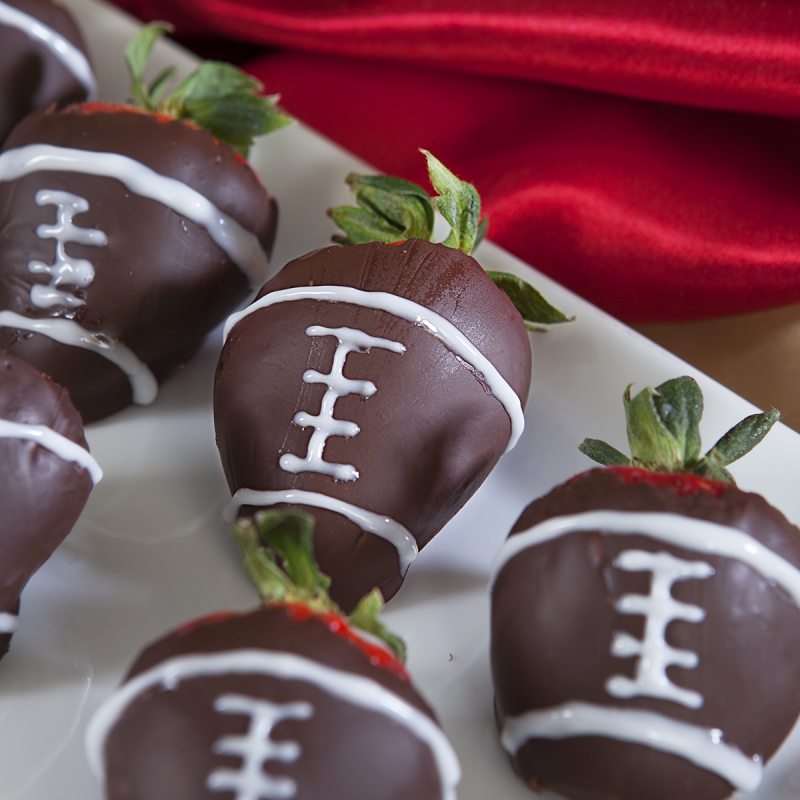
(354, 689)
(700, 746)
(66, 52)
(239, 244)
(697, 535)
(253, 779)
(65, 331)
(412, 312)
(382, 526)
(659, 609)
(324, 425)
(8, 622)
(66, 269)
(64, 448)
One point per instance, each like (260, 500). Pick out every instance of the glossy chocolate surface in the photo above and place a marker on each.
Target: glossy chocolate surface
(554, 618)
(162, 747)
(160, 282)
(428, 436)
(31, 75)
(41, 495)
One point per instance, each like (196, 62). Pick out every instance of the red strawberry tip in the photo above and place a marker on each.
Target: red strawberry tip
(378, 654)
(683, 483)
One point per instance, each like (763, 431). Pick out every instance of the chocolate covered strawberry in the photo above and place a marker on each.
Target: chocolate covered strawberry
(127, 233)
(646, 618)
(46, 476)
(376, 385)
(293, 700)
(42, 60)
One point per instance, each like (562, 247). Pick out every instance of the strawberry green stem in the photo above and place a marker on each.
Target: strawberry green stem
(664, 433)
(216, 96)
(392, 210)
(278, 554)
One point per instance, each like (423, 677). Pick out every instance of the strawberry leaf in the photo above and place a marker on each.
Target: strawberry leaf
(389, 210)
(392, 210)
(158, 86)
(290, 534)
(664, 433)
(679, 404)
(236, 119)
(217, 96)
(212, 80)
(535, 310)
(272, 582)
(458, 202)
(603, 453)
(278, 555)
(137, 53)
(225, 101)
(483, 227)
(652, 443)
(716, 474)
(362, 226)
(366, 617)
(277, 549)
(742, 438)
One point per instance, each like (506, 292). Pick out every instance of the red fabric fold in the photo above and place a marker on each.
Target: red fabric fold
(732, 54)
(655, 211)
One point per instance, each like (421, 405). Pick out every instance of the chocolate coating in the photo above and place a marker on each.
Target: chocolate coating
(41, 495)
(160, 283)
(554, 618)
(162, 747)
(428, 436)
(31, 76)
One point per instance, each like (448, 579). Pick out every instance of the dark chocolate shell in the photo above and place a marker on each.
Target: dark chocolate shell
(37, 71)
(271, 700)
(133, 281)
(42, 490)
(368, 417)
(625, 613)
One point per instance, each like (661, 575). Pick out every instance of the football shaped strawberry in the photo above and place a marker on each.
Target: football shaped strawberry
(47, 476)
(293, 700)
(375, 385)
(646, 618)
(126, 234)
(42, 60)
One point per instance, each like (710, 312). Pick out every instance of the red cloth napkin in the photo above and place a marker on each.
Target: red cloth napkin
(645, 154)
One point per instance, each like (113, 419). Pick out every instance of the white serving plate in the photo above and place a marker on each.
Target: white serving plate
(151, 551)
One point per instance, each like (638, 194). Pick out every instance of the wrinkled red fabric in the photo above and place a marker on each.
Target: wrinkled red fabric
(660, 196)
(735, 54)
(654, 212)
